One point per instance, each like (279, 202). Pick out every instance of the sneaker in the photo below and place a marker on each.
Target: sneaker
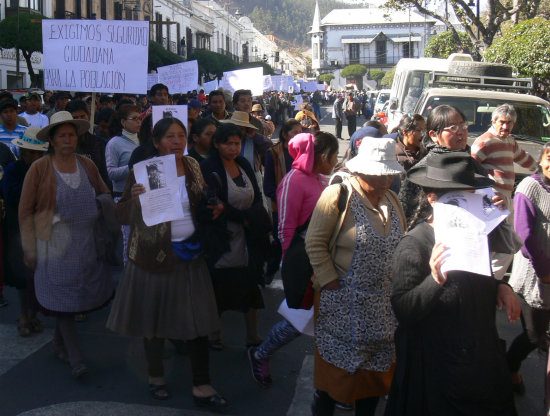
(260, 368)
(3, 301)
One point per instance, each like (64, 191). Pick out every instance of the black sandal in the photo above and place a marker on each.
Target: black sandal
(159, 392)
(214, 402)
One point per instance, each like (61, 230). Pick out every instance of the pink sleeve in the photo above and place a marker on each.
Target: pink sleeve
(289, 203)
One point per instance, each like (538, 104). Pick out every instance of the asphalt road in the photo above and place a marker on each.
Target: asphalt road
(33, 382)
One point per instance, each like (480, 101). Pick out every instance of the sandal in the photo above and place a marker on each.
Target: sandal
(214, 402)
(36, 325)
(23, 327)
(159, 392)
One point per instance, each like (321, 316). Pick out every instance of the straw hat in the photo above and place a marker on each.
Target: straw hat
(375, 157)
(257, 108)
(63, 117)
(29, 140)
(240, 118)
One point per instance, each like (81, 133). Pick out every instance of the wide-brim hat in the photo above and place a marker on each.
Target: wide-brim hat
(29, 140)
(63, 117)
(257, 108)
(452, 170)
(240, 118)
(376, 157)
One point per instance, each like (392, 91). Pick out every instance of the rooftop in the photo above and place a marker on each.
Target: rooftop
(371, 16)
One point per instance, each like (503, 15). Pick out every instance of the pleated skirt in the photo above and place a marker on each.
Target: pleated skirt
(176, 305)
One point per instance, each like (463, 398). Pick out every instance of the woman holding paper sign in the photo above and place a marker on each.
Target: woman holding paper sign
(449, 356)
(166, 291)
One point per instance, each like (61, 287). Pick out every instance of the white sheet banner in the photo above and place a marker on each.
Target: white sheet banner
(152, 79)
(268, 86)
(247, 79)
(276, 82)
(210, 86)
(180, 78)
(321, 87)
(310, 86)
(95, 55)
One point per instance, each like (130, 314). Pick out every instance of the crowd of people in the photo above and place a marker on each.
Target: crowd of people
(388, 321)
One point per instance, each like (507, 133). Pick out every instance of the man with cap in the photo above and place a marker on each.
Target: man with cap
(242, 101)
(32, 114)
(10, 129)
(193, 109)
(61, 100)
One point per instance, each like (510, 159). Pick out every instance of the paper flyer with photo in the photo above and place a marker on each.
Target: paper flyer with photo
(167, 111)
(161, 201)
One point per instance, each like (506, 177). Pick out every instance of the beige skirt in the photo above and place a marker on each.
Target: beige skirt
(175, 305)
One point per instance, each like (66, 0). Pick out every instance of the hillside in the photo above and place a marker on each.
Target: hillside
(285, 19)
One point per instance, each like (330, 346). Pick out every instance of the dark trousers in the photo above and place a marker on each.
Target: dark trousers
(323, 405)
(197, 349)
(352, 124)
(338, 124)
(535, 324)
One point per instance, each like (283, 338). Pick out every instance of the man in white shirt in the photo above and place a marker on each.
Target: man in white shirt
(32, 113)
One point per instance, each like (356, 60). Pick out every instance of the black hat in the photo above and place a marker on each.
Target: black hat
(452, 170)
(62, 94)
(8, 102)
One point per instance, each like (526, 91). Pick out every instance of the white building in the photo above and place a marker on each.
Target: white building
(256, 46)
(368, 36)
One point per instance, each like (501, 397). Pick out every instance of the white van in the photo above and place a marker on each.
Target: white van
(411, 78)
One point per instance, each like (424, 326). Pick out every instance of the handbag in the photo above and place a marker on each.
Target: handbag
(296, 269)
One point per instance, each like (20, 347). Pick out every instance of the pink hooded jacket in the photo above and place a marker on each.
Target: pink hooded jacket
(300, 189)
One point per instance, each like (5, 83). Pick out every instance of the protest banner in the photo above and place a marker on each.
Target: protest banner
(152, 79)
(95, 55)
(268, 85)
(180, 78)
(276, 82)
(247, 79)
(210, 86)
(321, 87)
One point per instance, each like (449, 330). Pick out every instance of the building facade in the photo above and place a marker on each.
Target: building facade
(367, 36)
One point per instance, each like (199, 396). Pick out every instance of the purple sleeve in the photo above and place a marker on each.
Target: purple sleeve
(524, 222)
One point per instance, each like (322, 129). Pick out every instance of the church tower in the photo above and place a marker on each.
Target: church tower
(316, 41)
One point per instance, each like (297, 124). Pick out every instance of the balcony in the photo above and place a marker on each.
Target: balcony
(372, 61)
(11, 8)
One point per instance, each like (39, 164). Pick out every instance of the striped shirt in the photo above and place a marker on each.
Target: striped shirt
(7, 136)
(497, 155)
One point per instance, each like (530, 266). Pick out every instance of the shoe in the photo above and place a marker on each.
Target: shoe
(216, 344)
(3, 301)
(23, 327)
(60, 353)
(36, 325)
(517, 384)
(214, 402)
(79, 370)
(159, 392)
(260, 369)
(348, 407)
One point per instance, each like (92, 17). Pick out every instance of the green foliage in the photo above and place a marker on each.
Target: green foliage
(525, 47)
(158, 56)
(388, 78)
(444, 44)
(376, 74)
(268, 70)
(212, 62)
(28, 38)
(353, 71)
(288, 20)
(326, 78)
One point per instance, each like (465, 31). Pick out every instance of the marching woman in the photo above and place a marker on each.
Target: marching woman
(166, 290)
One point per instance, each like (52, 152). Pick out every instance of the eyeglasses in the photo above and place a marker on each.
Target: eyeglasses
(455, 128)
(134, 118)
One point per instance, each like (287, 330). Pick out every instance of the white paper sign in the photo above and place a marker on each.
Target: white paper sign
(247, 79)
(167, 111)
(310, 86)
(321, 87)
(161, 201)
(210, 86)
(95, 55)
(180, 78)
(268, 86)
(301, 319)
(152, 79)
(297, 101)
(276, 82)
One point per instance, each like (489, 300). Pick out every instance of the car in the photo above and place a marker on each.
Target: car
(381, 99)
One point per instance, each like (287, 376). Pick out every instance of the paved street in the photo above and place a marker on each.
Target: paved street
(33, 382)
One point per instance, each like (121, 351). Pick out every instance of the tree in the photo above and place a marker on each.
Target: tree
(388, 78)
(212, 62)
(376, 75)
(488, 25)
(444, 44)
(28, 38)
(326, 78)
(355, 72)
(158, 56)
(525, 46)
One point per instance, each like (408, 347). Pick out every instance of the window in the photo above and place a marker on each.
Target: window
(315, 51)
(104, 9)
(406, 50)
(381, 51)
(354, 53)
